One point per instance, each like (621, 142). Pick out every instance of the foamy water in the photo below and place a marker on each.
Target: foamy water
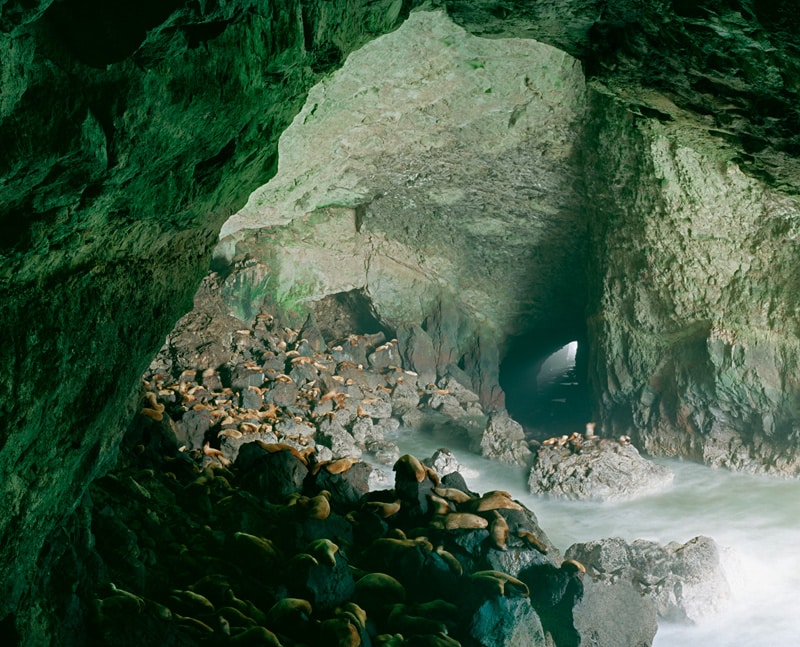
(754, 520)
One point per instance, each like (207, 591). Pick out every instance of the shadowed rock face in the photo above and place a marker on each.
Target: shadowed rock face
(128, 135)
(127, 139)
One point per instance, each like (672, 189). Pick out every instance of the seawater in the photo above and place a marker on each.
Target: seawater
(755, 521)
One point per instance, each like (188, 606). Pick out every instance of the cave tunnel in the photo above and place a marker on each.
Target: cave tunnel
(544, 376)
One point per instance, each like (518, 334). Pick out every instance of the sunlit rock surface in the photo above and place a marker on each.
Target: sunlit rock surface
(433, 163)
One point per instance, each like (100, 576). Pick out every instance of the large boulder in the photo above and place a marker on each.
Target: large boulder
(601, 469)
(504, 440)
(614, 615)
(685, 581)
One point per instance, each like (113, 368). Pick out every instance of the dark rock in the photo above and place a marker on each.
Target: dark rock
(193, 427)
(313, 336)
(273, 476)
(385, 356)
(252, 398)
(507, 622)
(283, 392)
(246, 374)
(346, 488)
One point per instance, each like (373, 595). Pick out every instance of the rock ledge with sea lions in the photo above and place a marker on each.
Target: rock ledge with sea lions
(590, 467)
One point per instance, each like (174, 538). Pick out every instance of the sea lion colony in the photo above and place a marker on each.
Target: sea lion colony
(245, 530)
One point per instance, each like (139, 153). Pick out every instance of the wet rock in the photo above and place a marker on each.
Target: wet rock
(685, 581)
(444, 462)
(614, 614)
(295, 428)
(377, 407)
(504, 440)
(334, 435)
(385, 426)
(507, 622)
(362, 431)
(405, 398)
(384, 451)
(601, 469)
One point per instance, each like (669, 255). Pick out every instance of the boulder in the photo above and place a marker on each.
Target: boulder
(685, 581)
(600, 469)
(444, 462)
(504, 440)
(614, 614)
(507, 622)
(273, 476)
(334, 435)
(416, 348)
(404, 398)
(312, 336)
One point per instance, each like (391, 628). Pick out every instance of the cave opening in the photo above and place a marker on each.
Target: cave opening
(544, 376)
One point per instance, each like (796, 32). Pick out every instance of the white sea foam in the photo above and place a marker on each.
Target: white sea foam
(753, 519)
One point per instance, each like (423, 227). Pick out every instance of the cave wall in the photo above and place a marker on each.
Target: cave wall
(129, 134)
(693, 317)
(435, 171)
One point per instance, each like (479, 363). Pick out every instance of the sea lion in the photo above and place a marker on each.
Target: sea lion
(320, 506)
(324, 550)
(498, 531)
(452, 494)
(409, 465)
(339, 632)
(532, 540)
(382, 509)
(450, 559)
(509, 586)
(463, 521)
(402, 620)
(377, 589)
(289, 615)
(282, 447)
(256, 635)
(496, 499)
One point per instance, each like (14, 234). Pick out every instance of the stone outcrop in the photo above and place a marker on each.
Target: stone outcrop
(595, 468)
(685, 581)
(486, 109)
(129, 135)
(694, 340)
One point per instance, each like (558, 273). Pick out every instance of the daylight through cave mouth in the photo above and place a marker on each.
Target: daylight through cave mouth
(544, 377)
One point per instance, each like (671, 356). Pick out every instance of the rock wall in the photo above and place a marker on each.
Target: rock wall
(693, 314)
(129, 134)
(436, 172)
